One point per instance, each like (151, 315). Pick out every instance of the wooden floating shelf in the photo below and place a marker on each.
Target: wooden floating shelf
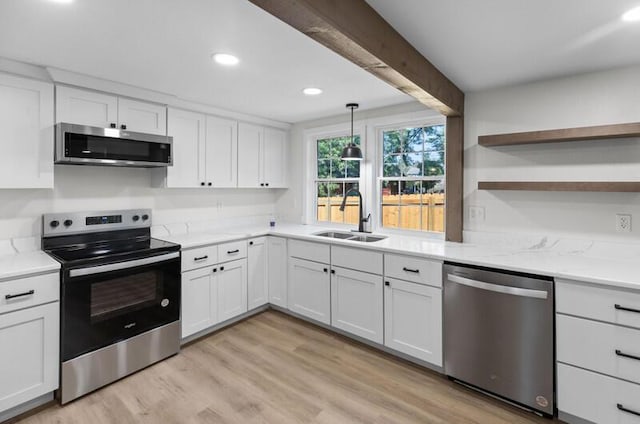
(603, 186)
(600, 132)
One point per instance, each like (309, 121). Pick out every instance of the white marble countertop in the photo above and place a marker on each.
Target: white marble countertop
(18, 265)
(607, 263)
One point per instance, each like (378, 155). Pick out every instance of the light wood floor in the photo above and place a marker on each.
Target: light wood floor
(276, 369)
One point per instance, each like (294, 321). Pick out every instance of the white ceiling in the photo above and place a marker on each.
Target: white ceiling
(165, 45)
(490, 43)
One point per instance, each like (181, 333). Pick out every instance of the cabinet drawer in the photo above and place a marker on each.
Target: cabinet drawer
(591, 301)
(29, 291)
(232, 251)
(593, 345)
(316, 252)
(597, 398)
(423, 271)
(358, 259)
(197, 258)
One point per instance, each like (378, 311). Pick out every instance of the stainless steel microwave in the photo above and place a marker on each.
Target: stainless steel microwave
(84, 145)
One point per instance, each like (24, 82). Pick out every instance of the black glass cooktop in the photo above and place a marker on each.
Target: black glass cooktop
(107, 247)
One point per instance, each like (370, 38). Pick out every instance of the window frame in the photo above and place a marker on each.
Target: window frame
(376, 135)
(311, 137)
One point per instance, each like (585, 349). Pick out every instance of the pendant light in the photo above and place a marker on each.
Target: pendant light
(351, 151)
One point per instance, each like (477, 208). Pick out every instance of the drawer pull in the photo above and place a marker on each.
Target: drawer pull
(622, 308)
(201, 258)
(230, 252)
(13, 296)
(629, 411)
(626, 355)
(415, 271)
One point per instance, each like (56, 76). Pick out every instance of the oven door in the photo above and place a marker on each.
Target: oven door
(104, 304)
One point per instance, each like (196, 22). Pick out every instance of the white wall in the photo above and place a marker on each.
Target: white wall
(591, 99)
(87, 188)
(290, 203)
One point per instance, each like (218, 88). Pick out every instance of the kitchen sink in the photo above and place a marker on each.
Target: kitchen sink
(364, 238)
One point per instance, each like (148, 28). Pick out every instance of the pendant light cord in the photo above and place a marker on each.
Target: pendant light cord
(352, 143)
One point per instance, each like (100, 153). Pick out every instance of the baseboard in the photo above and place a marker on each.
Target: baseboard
(572, 419)
(26, 409)
(220, 326)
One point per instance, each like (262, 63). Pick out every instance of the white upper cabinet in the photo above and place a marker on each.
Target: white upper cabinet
(205, 150)
(250, 154)
(137, 116)
(221, 152)
(274, 158)
(188, 132)
(85, 107)
(261, 156)
(26, 133)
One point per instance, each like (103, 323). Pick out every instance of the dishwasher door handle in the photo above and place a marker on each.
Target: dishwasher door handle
(515, 291)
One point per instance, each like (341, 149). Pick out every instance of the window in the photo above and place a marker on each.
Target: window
(412, 183)
(333, 178)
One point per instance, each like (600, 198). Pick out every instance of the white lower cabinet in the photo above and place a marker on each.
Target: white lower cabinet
(29, 354)
(597, 398)
(309, 289)
(413, 319)
(357, 303)
(277, 270)
(232, 289)
(199, 300)
(258, 289)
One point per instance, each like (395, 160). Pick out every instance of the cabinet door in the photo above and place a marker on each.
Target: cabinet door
(138, 116)
(309, 289)
(29, 354)
(84, 107)
(199, 300)
(26, 133)
(258, 290)
(277, 270)
(221, 152)
(357, 303)
(232, 289)
(413, 319)
(274, 160)
(250, 155)
(188, 132)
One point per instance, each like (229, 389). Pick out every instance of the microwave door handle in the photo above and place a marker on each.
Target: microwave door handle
(515, 291)
(122, 265)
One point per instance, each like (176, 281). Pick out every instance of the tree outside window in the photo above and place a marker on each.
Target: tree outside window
(412, 183)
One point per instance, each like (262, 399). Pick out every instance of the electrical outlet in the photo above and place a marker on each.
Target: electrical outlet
(623, 223)
(476, 214)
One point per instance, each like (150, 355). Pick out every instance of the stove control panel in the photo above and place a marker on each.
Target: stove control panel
(83, 222)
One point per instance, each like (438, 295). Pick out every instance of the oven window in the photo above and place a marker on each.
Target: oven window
(123, 295)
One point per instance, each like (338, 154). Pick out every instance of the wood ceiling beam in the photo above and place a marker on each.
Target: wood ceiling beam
(354, 30)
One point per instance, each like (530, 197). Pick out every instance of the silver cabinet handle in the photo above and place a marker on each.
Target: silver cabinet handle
(122, 265)
(515, 291)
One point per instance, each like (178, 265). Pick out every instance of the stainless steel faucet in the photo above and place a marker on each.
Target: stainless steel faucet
(361, 219)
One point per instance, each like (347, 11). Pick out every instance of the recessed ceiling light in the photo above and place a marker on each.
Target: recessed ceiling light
(61, 1)
(632, 15)
(312, 91)
(226, 59)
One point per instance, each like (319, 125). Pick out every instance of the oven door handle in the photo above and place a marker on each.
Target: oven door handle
(515, 291)
(122, 265)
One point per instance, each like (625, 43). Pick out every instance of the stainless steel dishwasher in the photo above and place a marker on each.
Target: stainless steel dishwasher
(499, 334)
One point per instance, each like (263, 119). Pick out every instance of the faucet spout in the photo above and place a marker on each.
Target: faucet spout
(361, 219)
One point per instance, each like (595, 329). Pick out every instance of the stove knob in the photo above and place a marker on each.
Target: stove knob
(145, 217)
(135, 218)
(54, 223)
(68, 222)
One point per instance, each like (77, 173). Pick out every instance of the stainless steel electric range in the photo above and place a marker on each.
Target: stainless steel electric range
(120, 296)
